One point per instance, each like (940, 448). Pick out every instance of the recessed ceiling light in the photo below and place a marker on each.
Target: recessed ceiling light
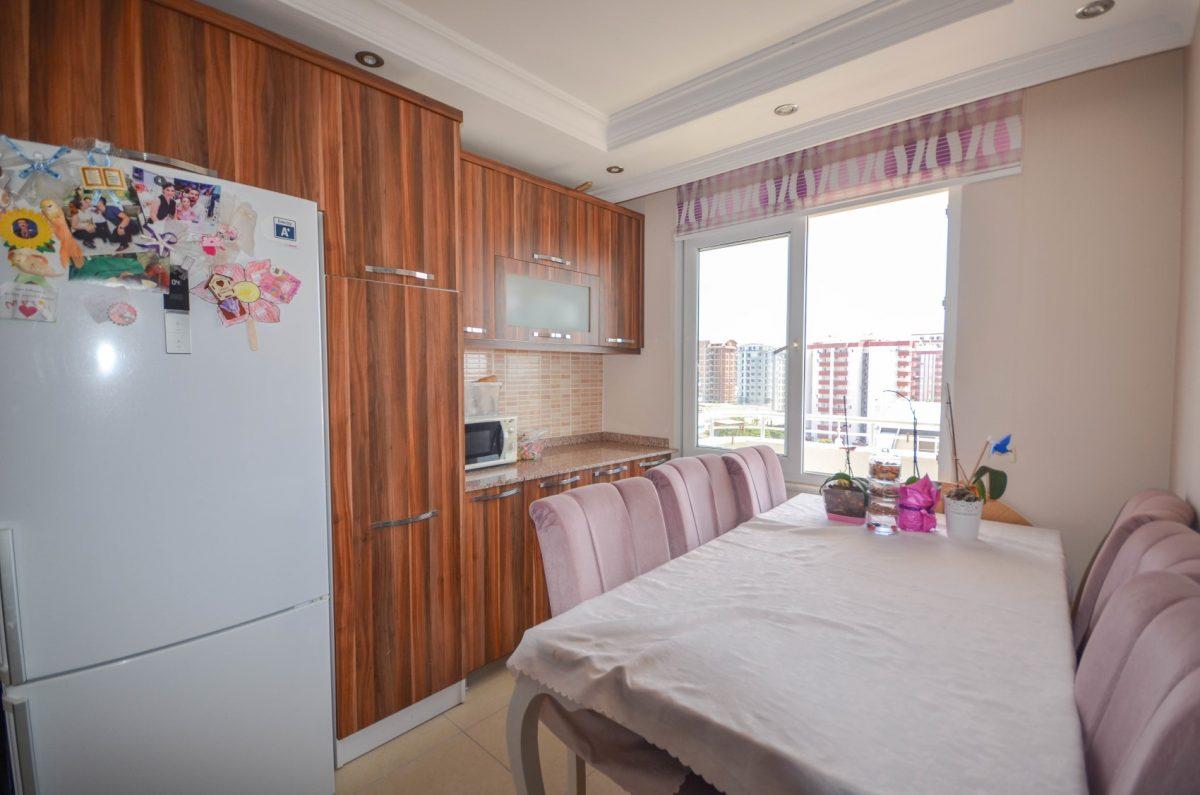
(614, 169)
(1095, 9)
(371, 60)
(786, 109)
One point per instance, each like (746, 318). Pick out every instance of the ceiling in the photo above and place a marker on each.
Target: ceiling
(674, 90)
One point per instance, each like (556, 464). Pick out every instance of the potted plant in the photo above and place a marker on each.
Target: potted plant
(846, 495)
(964, 499)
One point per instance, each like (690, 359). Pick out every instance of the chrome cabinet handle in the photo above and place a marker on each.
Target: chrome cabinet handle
(545, 484)
(621, 341)
(22, 729)
(654, 463)
(552, 258)
(613, 471)
(474, 330)
(554, 335)
(401, 272)
(409, 520)
(500, 496)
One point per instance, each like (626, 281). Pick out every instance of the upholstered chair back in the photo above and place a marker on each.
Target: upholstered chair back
(1138, 689)
(698, 500)
(596, 537)
(757, 480)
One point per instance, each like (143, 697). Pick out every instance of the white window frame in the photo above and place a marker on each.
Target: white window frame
(795, 226)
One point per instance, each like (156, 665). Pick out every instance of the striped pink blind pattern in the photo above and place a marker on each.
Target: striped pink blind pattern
(970, 139)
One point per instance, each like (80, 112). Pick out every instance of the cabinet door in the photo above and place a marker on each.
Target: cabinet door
(541, 303)
(398, 199)
(496, 607)
(535, 574)
(621, 287)
(644, 465)
(486, 222)
(611, 473)
(395, 437)
(596, 229)
(543, 230)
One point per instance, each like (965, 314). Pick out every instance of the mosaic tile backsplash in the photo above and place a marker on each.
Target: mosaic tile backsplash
(554, 391)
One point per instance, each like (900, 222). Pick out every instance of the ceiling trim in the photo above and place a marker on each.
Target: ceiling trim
(864, 30)
(413, 36)
(1152, 35)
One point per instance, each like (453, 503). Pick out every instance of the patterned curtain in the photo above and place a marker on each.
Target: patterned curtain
(970, 139)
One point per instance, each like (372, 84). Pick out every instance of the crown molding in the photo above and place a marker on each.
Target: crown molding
(415, 37)
(1152, 35)
(864, 30)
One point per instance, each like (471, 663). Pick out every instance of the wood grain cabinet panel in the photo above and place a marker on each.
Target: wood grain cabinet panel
(535, 574)
(396, 470)
(584, 296)
(622, 287)
(486, 209)
(496, 607)
(543, 231)
(398, 195)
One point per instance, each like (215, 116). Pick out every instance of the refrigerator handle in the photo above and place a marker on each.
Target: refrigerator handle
(20, 737)
(12, 672)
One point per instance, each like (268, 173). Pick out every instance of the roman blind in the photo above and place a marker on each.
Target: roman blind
(957, 142)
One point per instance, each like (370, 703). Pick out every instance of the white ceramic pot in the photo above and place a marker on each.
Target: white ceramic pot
(962, 518)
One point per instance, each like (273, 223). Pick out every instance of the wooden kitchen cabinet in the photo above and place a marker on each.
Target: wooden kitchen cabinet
(496, 608)
(543, 231)
(567, 303)
(611, 473)
(644, 465)
(622, 286)
(397, 199)
(395, 436)
(487, 233)
(535, 574)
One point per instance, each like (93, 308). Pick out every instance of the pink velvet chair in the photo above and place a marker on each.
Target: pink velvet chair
(593, 539)
(698, 500)
(1155, 546)
(596, 537)
(1138, 689)
(757, 480)
(1144, 507)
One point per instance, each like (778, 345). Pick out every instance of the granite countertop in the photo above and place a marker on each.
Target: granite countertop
(562, 458)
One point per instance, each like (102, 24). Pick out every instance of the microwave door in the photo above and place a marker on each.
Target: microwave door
(485, 442)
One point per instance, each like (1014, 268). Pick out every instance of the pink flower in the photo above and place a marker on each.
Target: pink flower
(915, 506)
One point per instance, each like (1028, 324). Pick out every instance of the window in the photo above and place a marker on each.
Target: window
(820, 330)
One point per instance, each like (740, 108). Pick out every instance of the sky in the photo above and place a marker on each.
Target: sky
(875, 272)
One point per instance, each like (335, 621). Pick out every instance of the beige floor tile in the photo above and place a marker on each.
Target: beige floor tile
(492, 735)
(488, 690)
(456, 767)
(388, 757)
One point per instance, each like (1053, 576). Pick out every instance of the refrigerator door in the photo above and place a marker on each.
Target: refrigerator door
(157, 497)
(244, 710)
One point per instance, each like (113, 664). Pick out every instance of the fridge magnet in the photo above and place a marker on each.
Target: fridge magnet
(248, 295)
(104, 221)
(160, 243)
(32, 267)
(235, 226)
(69, 252)
(102, 178)
(143, 271)
(42, 176)
(190, 202)
(122, 313)
(26, 228)
(21, 301)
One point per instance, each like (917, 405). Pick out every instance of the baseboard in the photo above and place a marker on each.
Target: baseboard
(391, 727)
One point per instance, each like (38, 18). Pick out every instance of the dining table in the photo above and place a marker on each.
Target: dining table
(794, 654)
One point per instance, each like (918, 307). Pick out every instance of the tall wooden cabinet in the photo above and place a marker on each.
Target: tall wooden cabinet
(395, 439)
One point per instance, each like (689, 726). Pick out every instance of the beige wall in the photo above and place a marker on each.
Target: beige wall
(1067, 298)
(1067, 302)
(1185, 469)
(641, 393)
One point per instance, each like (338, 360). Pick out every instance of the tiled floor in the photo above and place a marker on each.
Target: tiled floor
(461, 752)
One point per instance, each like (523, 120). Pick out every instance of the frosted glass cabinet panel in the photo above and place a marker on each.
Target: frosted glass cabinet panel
(542, 303)
(538, 303)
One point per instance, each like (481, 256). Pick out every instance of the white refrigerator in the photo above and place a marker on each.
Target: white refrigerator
(164, 544)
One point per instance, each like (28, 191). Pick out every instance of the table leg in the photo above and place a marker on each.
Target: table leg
(523, 758)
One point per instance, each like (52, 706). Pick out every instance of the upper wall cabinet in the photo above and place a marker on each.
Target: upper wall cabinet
(508, 216)
(396, 194)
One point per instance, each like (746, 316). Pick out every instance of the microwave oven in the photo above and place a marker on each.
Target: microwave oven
(491, 441)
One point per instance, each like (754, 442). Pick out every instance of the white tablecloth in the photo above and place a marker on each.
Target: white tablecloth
(794, 656)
